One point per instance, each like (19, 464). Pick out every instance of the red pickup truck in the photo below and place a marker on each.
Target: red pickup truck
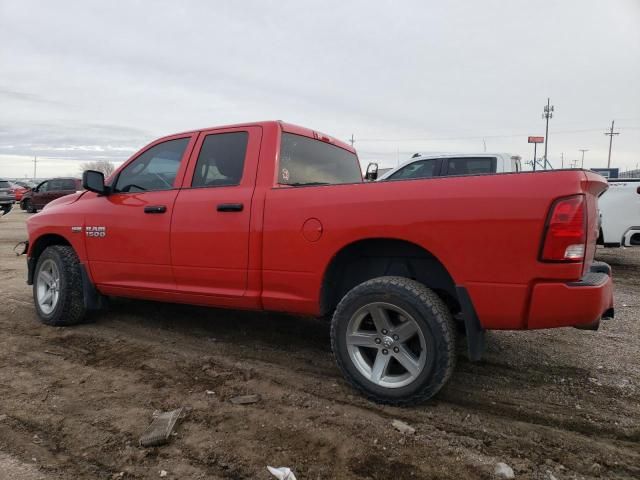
(273, 216)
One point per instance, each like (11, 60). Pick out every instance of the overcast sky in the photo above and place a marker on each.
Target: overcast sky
(87, 79)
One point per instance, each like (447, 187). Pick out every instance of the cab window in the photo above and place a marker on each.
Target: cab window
(305, 161)
(43, 187)
(153, 170)
(470, 165)
(419, 169)
(55, 185)
(221, 160)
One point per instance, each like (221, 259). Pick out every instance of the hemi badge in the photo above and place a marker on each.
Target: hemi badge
(76, 229)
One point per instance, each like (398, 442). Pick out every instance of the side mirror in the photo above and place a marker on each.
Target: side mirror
(372, 172)
(94, 182)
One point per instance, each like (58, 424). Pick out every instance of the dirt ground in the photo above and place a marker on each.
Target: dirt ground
(557, 404)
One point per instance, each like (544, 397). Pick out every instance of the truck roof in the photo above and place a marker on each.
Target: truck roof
(286, 127)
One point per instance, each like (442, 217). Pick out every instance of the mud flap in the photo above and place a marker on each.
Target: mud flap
(93, 300)
(475, 332)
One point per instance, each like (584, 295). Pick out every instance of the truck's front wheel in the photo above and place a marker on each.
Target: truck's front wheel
(394, 340)
(57, 287)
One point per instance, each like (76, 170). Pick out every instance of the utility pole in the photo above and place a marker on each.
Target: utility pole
(583, 150)
(547, 114)
(610, 133)
(353, 140)
(35, 162)
(485, 145)
(562, 160)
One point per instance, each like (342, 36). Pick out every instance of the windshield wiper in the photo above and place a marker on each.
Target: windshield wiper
(306, 184)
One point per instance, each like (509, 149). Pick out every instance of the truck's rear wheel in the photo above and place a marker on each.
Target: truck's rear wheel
(57, 287)
(394, 340)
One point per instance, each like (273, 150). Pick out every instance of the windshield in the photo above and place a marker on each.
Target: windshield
(305, 161)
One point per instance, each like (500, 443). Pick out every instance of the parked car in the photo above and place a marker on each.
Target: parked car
(19, 190)
(273, 216)
(48, 191)
(620, 213)
(427, 166)
(7, 197)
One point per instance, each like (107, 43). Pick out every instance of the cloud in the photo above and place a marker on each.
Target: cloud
(94, 80)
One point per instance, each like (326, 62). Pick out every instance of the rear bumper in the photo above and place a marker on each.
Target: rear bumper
(574, 304)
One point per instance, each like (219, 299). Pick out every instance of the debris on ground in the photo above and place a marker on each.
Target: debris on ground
(282, 473)
(163, 473)
(161, 427)
(210, 392)
(503, 470)
(403, 427)
(245, 399)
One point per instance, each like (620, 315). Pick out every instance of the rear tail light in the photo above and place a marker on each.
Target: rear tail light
(566, 230)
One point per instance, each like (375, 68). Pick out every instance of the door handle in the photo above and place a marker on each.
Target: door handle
(155, 209)
(230, 207)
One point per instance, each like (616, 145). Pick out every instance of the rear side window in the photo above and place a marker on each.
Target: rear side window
(419, 169)
(155, 169)
(305, 161)
(4, 184)
(470, 165)
(221, 160)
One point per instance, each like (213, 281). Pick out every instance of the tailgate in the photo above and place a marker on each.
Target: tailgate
(592, 186)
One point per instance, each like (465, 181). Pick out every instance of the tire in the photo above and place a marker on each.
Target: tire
(429, 352)
(6, 209)
(29, 207)
(67, 303)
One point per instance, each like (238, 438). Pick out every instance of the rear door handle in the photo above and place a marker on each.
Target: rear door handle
(155, 209)
(230, 207)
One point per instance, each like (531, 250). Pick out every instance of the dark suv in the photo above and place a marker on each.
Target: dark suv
(7, 196)
(48, 191)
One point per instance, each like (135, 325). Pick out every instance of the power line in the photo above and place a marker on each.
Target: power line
(610, 133)
(475, 137)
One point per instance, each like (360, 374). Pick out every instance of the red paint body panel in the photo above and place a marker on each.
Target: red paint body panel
(210, 249)
(486, 230)
(559, 305)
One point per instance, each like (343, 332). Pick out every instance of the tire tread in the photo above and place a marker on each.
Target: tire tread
(446, 357)
(72, 310)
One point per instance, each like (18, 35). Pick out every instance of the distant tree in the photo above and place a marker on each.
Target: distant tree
(104, 166)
